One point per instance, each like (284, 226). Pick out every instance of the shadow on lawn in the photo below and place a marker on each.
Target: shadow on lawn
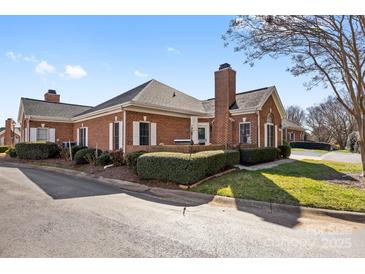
(256, 186)
(61, 186)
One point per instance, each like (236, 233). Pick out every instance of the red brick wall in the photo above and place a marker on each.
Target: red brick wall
(168, 128)
(9, 135)
(252, 118)
(98, 129)
(297, 134)
(225, 95)
(63, 130)
(270, 104)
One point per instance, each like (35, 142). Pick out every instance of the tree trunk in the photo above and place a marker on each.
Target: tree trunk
(361, 127)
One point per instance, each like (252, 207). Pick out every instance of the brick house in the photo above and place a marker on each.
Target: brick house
(292, 132)
(9, 135)
(156, 114)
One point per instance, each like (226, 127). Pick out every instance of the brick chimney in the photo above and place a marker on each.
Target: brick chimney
(9, 132)
(52, 96)
(225, 97)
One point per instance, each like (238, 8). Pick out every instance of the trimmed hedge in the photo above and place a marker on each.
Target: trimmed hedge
(37, 151)
(80, 156)
(252, 156)
(104, 159)
(132, 159)
(311, 145)
(3, 149)
(11, 152)
(75, 149)
(184, 168)
(285, 151)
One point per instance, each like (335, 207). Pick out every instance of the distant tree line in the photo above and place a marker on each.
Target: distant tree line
(327, 121)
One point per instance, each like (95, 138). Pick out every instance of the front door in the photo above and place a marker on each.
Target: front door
(201, 135)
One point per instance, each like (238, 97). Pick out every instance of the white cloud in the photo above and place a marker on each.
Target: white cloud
(43, 68)
(13, 56)
(75, 72)
(174, 50)
(18, 56)
(31, 59)
(140, 74)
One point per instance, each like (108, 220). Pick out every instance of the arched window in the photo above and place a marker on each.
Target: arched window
(269, 131)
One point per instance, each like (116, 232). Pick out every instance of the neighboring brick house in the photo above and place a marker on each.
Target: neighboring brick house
(155, 114)
(9, 135)
(292, 131)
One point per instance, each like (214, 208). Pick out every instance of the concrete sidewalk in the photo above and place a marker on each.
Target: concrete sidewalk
(265, 165)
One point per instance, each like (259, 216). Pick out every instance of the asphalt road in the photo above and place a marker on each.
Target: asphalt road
(46, 214)
(335, 156)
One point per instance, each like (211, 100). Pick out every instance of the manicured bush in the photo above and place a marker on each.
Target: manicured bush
(117, 157)
(311, 145)
(184, 168)
(37, 151)
(75, 149)
(252, 156)
(11, 152)
(82, 155)
(3, 149)
(104, 159)
(132, 159)
(285, 151)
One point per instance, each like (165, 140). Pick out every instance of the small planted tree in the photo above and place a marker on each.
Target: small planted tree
(331, 49)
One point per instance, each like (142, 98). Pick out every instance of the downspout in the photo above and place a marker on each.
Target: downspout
(258, 129)
(124, 131)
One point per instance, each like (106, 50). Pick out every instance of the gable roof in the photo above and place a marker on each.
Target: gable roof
(39, 108)
(250, 100)
(291, 125)
(153, 94)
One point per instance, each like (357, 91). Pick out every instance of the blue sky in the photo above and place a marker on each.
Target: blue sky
(91, 59)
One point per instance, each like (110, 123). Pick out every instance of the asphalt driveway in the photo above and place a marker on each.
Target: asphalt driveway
(47, 214)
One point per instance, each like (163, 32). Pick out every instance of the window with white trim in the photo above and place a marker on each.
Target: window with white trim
(291, 136)
(82, 136)
(245, 133)
(42, 134)
(144, 134)
(116, 135)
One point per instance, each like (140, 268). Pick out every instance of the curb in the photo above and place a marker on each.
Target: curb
(196, 198)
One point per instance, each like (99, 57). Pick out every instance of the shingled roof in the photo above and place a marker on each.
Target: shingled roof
(247, 101)
(39, 108)
(291, 125)
(154, 93)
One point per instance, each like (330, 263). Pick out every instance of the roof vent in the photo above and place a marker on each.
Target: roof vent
(52, 91)
(173, 95)
(224, 66)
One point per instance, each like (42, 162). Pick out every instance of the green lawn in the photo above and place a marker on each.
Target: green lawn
(299, 183)
(310, 150)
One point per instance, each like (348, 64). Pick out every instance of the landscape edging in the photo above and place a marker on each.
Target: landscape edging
(214, 199)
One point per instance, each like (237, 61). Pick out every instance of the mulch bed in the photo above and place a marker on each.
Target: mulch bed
(120, 172)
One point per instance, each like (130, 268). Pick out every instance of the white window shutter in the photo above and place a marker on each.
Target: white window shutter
(121, 135)
(78, 136)
(194, 128)
(265, 135)
(276, 136)
(111, 136)
(153, 134)
(87, 136)
(33, 134)
(135, 133)
(52, 135)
